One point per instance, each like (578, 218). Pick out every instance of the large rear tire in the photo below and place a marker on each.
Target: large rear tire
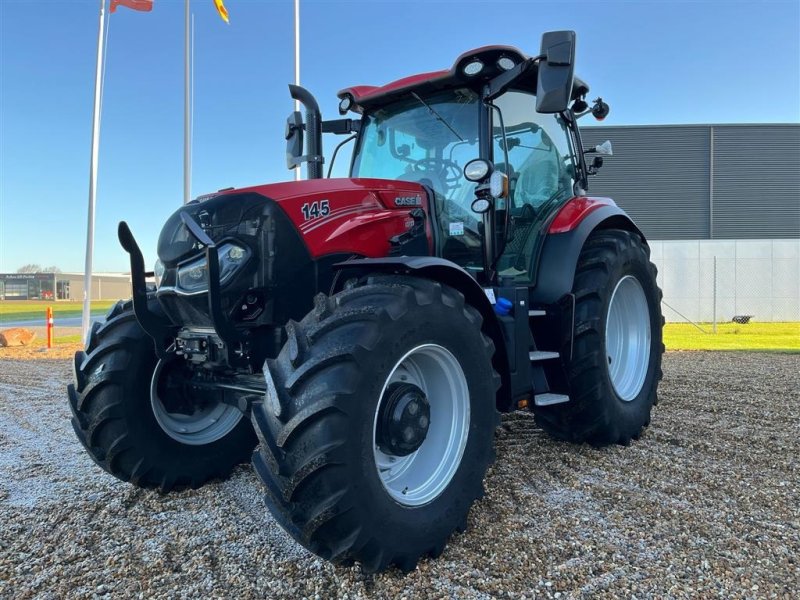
(128, 432)
(334, 480)
(616, 358)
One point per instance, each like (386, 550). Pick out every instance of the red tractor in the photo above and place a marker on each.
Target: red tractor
(364, 334)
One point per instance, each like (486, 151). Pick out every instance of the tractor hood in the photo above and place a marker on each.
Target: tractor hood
(353, 195)
(278, 241)
(333, 216)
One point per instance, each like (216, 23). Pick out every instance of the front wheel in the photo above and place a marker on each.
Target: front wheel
(616, 358)
(377, 434)
(137, 424)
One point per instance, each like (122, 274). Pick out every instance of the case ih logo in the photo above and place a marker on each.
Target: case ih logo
(408, 201)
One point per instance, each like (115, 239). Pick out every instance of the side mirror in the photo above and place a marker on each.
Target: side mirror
(294, 140)
(556, 72)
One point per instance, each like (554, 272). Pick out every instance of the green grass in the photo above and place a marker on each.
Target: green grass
(17, 310)
(783, 337)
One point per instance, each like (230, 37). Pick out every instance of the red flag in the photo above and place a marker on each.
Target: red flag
(143, 5)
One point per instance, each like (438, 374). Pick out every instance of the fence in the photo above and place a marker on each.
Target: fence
(714, 281)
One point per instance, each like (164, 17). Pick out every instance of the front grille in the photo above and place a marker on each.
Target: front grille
(186, 310)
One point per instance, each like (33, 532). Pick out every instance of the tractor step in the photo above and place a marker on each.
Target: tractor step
(548, 399)
(537, 313)
(541, 355)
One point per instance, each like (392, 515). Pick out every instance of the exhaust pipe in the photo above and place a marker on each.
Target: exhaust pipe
(313, 130)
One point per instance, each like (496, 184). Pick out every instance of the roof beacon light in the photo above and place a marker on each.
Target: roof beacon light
(473, 68)
(505, 63)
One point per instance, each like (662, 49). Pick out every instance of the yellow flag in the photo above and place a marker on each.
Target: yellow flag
(223, 12)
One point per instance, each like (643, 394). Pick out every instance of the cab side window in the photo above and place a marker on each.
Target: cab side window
(539, 155)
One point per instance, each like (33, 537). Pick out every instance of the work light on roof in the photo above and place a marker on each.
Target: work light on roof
(505, 63)
(473, 68)
(345, 104)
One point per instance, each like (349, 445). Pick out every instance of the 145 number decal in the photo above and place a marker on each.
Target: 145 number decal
(315, 210)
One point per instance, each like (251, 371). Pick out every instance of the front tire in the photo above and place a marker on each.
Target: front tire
(329, 481)
(616, 357)
(127, 432)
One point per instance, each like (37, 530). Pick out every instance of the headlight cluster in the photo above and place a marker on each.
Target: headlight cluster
(192, 277)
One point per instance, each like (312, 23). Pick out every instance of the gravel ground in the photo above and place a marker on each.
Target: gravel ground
(706, 504)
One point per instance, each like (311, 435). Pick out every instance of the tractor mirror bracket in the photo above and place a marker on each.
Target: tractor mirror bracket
(505, 80)
(556, 72)
(341, 126)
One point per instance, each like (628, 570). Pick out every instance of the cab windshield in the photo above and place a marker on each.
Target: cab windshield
(429, 139)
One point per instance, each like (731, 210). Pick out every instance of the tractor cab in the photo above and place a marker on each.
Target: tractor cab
(497, 105)
(430, 141)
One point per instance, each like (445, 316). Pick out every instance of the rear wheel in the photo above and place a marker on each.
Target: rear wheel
(379, 428)
(133, 423)
(616, 358)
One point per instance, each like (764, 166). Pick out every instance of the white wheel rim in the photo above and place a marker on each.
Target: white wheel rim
(205, 426)
(628, 338)
(424, 474)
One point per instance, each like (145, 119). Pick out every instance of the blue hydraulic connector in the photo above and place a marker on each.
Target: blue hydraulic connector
(503, 306)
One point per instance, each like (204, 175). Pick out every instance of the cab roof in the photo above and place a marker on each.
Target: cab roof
(364, 96)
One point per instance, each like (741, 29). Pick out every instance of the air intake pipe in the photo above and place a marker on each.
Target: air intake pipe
(313, 130)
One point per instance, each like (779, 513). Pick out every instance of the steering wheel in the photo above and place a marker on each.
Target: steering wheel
(448, 170)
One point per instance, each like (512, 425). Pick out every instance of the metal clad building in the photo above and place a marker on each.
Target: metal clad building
(695, 182)
(63, 286)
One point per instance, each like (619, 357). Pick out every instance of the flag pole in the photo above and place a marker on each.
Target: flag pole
(187, 152)
(297, 173)
(93, 160)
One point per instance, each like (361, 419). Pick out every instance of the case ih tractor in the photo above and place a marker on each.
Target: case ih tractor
(359, 337)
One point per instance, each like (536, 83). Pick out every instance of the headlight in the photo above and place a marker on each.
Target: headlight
(193, 276)
(477, 169)
(158, 271)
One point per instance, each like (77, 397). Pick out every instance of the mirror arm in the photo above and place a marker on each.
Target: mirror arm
(502, 82)
(341, 126)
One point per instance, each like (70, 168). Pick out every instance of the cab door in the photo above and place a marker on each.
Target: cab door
(538, 157)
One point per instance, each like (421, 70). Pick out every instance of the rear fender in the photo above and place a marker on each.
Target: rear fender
(562, 246)
(447, 273)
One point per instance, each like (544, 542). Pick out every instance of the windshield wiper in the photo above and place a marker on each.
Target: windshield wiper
(437, 115)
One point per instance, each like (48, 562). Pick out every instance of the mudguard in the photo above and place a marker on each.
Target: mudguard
(448, 273)
(566, 236)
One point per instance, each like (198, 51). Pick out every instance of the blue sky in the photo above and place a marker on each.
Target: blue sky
(654, 62)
